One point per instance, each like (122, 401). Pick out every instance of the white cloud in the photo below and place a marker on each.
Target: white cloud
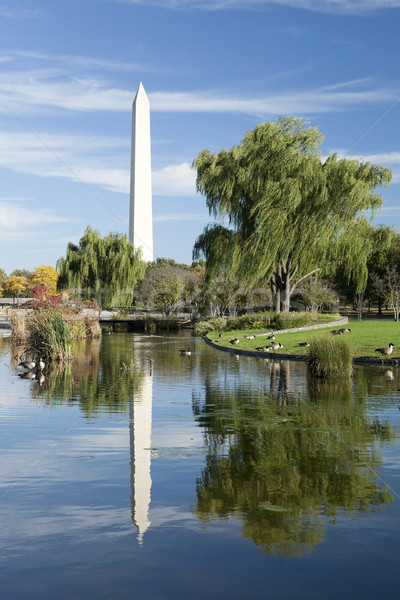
(389, 160)
(16, 12)
(48, 155)
(304, 102)
(35, 90)
(331, 6)
(15, 216)
(84, 62)
(174, 180)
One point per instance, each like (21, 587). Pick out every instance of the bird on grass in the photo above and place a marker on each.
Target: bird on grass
(185, 352)
(234, 341)
(250, 337)
(304, 344)
(385, 351)
(263, 349)
(271, 336)
(274, 346)
(344, 330)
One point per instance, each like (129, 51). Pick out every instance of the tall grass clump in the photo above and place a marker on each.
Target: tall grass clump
(18, 325)
(50, 334)
(330, 357)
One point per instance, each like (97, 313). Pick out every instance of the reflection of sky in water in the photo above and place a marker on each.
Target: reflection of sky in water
(65, 490)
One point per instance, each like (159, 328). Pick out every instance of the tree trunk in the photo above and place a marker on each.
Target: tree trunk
(276, 295)
(286, 301)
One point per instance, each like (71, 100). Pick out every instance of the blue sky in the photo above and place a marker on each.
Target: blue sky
(212, 69)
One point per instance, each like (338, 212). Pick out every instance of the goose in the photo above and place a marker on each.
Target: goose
(220, 336)
(185, 352)
(275, 345)
(335, 332)
(40, 364)
(28, 364)
(271, 336)
(27, 375)
(250, 337)
(234, 341)
(344, 330)
(263, 349)
(385, 351)
(304, 344)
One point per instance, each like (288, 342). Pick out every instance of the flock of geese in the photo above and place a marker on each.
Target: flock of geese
(273, 346)
(32, 370)
(31, 365)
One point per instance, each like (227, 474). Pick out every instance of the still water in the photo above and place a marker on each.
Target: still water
(139, 473)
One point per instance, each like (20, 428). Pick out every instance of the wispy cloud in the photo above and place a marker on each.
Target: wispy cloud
(17, 216)
(389, 160)
(330, 6)
(32, 90)
(84, 62)
(174, 180)
(17, 12)
(49, 155)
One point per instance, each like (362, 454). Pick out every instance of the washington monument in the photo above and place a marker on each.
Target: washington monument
(141, 212)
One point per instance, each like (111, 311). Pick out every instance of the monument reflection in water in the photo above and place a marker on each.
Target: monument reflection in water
(140, 414)
(286, 455)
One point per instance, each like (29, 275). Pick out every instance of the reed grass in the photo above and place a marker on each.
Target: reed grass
(19, 327)
(330, 357)
(50, 334)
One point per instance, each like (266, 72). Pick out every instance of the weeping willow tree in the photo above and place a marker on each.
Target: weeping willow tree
(290, 214)
(103, 268)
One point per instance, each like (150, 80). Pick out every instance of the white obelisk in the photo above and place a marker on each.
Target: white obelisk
(141, 211)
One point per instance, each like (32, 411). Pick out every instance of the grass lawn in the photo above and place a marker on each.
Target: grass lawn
(365, 336)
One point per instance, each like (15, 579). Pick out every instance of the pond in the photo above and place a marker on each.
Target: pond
(136, 472)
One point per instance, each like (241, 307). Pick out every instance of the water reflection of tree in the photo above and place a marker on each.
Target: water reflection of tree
(314, 454)
(97, 378)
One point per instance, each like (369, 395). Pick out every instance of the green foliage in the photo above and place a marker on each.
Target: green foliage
(330, 357)
(106, 268)
(272, 188)
(168, 287)
(272, 449)
(262, 321)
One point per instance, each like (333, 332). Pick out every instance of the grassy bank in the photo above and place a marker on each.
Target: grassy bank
(260, 322)
(365, 336)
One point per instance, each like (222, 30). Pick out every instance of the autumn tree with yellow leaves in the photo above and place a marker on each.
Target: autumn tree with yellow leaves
(14, 286)
(46, 276)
